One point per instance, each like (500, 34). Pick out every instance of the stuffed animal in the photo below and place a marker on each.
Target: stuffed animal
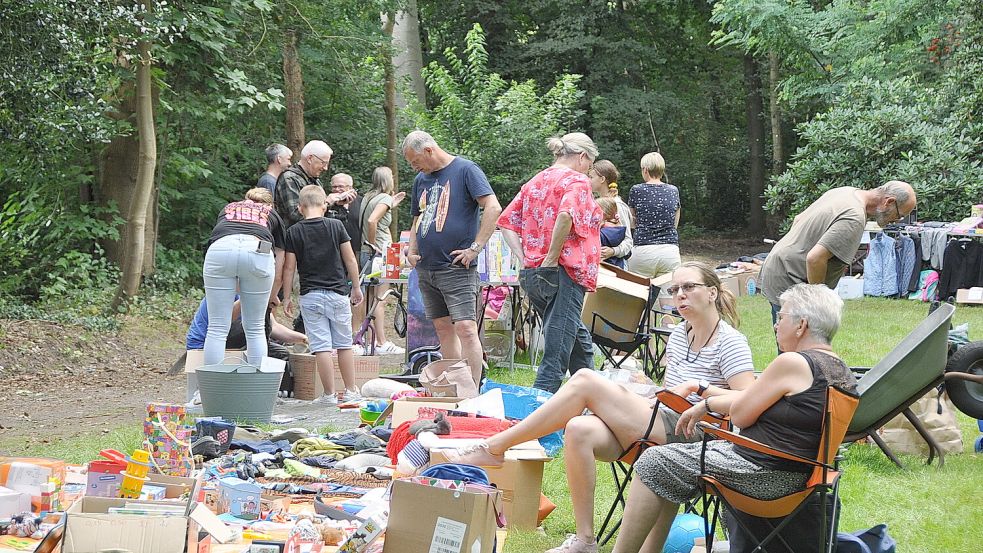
(25, 525)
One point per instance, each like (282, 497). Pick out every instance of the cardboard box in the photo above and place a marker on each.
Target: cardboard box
(409, 408)
(175, 487)
(850, 288)
(90, 528)
(13, 502)
(428, 519)
(521, 480)
(748, 282)
(730, 282)
(307, 383)
(29, 474)
(970, 295)
(620, 301)
(394, 260)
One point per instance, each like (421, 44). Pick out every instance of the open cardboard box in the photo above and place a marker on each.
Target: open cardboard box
(520, 479)
(620, 298)
(89, 528)
(408, 408)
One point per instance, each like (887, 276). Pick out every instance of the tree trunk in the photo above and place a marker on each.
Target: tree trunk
(293, 84)
(136, 220)
(778, 160)
(409, 54)
(389, 106)
(756, 139)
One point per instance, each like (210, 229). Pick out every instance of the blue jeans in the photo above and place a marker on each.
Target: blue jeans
(774, 320)
(558, 300)
(232, 262)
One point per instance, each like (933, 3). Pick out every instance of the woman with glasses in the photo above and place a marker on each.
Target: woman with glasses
(655, 211)
(783, 408)
(707, 356)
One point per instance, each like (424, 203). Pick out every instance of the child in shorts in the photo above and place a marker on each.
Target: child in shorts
(320, 249)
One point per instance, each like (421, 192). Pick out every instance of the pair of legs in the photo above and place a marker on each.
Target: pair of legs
(231, 263)
(619, 418)
(379, 312)
(328, 322)
(558, 300)
(450, 299)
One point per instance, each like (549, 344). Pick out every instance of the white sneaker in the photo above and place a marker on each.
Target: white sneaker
(327, 399)
(573, 544)
(351, 396)
(357, 349)
(389, 348)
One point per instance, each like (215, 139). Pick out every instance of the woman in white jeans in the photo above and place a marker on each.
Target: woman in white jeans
(240, 259)
(655, 211)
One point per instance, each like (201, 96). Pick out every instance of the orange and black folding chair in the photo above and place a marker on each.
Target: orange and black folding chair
(823, 481)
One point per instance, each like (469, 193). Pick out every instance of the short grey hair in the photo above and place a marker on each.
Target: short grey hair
(571, 144)
(418, 140)
(821, 308)
(317, 148)
(896, 189)
(274, 151)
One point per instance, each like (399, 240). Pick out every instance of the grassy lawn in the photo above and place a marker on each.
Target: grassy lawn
(926, 509)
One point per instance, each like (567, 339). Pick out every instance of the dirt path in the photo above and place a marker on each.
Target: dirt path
(61, 381)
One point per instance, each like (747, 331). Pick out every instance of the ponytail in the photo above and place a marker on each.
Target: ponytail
(726, 303)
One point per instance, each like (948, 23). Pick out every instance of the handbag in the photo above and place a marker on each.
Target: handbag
(449, 378)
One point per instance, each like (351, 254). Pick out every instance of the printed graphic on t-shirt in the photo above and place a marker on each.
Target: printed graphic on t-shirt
(248, 212)
(434, 210)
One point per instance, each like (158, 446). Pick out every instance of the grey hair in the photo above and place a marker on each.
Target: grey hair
(382, 180)
(572, 143)
(896, 189)
(317, 148)
(821, 308)
(274, 151)
(418, 140)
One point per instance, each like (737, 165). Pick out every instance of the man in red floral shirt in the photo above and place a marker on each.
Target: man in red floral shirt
(554, 223)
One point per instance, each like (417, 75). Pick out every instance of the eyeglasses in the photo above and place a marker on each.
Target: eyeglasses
(898, 211)
(319, 159)
(687, 288)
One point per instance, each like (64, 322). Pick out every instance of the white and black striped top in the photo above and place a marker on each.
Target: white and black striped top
(727, 356)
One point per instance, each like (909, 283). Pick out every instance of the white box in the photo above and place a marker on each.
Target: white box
(850, 288)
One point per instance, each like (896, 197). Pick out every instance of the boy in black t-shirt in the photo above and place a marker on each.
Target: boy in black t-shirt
(320, 249)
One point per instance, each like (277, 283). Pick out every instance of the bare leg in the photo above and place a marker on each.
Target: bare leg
(626, 414)
(467, 333)
(325, 370)
(380, 315)
(647, 520)
(346, 362)
(450, 346)
(587, 439)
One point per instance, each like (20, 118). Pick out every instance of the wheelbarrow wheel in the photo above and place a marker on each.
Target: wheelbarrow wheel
(966, 395)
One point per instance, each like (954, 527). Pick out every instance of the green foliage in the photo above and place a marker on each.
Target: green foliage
(502, 126)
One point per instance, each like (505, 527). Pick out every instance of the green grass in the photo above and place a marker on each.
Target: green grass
(927, 510)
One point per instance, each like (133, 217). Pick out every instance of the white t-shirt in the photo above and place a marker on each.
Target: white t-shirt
(728, 356)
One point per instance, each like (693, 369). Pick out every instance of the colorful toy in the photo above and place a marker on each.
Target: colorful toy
(135, 475)
(168, 432)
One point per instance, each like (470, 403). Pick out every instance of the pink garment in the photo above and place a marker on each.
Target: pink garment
(533, 212)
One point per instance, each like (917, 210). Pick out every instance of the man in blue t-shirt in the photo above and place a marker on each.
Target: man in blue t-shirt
(447, 236)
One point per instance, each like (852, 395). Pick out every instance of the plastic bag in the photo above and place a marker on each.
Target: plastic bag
(520, 402)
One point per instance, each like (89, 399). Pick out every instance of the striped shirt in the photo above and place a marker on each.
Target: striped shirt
(728, 356)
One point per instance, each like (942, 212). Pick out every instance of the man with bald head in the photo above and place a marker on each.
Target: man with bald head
(314, 160)
(825, 237)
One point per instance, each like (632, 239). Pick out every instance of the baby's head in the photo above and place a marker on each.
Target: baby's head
(610, 209)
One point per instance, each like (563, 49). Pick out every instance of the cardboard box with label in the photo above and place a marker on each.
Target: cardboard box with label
(850, 288)
(89, 527)
(970, 295)
(521, 480)
(413, 408)
(620, 298)
(429, 519)
(307, 383)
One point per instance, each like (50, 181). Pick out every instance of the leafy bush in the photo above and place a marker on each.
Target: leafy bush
(502, 126)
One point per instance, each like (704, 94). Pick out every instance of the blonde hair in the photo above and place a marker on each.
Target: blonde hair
(312, 195)
(609, 207)
(382, 180)
(654, 164)
(260, 195)
(726, 303)
(571, 144)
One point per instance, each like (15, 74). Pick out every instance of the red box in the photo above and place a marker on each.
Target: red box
(394, 260)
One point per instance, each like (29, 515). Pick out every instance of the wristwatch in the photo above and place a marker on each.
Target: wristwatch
(703, 385)
(475, 247)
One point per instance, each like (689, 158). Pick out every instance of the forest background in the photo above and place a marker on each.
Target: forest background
(126, 125)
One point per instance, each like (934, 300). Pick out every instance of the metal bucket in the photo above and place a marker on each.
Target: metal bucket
(239, 391)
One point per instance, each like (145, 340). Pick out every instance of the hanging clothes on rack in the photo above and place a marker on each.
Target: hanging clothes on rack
(934, 242)
(881, 268)
(904, 250)
(962, 267)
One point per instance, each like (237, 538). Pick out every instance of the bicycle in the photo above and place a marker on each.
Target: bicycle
(366, 335)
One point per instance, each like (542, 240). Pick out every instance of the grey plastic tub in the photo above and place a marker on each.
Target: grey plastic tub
(239, 391)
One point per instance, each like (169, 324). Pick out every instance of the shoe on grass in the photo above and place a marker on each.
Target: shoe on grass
(574, 544)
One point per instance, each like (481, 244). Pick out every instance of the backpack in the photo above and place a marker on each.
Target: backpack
(874, 540)
(928, 283)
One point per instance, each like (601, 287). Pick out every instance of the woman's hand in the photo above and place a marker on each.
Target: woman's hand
(398, 197)
(606, 252)
(686, 425)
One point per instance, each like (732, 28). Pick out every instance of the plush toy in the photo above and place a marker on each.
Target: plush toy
(439, 425)
(331, 535)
